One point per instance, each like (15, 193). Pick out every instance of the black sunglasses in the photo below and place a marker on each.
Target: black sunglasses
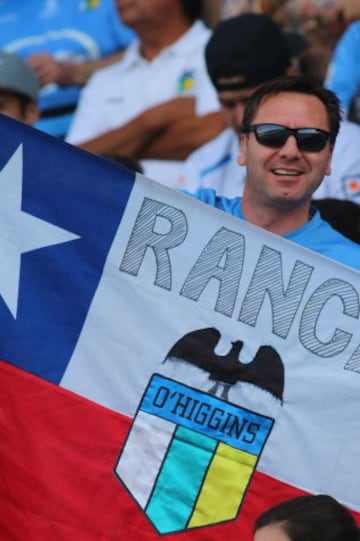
(275, 136)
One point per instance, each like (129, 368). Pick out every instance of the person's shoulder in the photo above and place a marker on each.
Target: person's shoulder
(333, 244)
(344, 250)
(206, 195)
(195, 38)
(210, 197)
(200, 30)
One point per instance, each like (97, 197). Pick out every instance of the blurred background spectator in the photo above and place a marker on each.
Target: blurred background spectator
(293, 13)
(64, 41)
(19, 89)
(319, 22)
(158, 102)
(344, 71)
(307, 518)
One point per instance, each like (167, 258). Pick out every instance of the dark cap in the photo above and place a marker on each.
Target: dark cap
(17, 76)
(251, 46)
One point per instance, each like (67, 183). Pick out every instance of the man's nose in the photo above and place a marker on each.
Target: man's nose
(290, 147)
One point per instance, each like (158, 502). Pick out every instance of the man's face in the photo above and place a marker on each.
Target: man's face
(233, 104)
(285, 177)
(138, 12)
(10, 105)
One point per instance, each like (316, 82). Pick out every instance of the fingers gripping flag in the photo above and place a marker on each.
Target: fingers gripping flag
(167, 370)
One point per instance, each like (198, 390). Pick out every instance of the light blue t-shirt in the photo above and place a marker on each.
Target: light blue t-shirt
(76, 30)
(316, 234)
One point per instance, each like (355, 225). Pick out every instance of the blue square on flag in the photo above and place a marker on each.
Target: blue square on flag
(60, 209)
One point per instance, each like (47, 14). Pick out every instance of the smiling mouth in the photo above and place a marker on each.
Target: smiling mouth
(286, 173)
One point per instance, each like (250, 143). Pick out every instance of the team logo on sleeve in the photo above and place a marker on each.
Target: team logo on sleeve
(189, 444)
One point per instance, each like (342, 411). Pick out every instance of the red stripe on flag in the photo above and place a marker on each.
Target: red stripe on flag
(57, 456)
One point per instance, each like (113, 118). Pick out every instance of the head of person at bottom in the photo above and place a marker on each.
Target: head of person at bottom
(289, 130)
(307, 518)
(19, 89)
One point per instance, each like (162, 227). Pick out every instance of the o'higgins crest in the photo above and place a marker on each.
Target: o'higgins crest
(187, 447)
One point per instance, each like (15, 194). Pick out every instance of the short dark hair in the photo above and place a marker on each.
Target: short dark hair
(193, 9)
(301, 85)
(312, 518)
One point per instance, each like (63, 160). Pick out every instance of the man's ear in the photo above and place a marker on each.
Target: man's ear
(328, 169)
(32, 113)
(243, 149)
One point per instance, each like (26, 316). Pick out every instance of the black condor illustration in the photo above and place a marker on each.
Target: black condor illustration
(265, 371)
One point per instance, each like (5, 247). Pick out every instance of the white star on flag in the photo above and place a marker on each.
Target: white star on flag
(20, 232)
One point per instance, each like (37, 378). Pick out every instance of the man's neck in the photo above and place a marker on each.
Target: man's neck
(280, 221)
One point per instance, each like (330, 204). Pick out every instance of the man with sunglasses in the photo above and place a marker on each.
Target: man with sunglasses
(289, 130)
(242, 53)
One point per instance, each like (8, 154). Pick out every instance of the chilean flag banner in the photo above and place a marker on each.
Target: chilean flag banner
(168, 371)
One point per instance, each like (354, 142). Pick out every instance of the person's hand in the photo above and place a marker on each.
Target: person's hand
(45, 67)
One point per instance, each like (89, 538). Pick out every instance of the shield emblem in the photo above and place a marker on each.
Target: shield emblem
(185, 450)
